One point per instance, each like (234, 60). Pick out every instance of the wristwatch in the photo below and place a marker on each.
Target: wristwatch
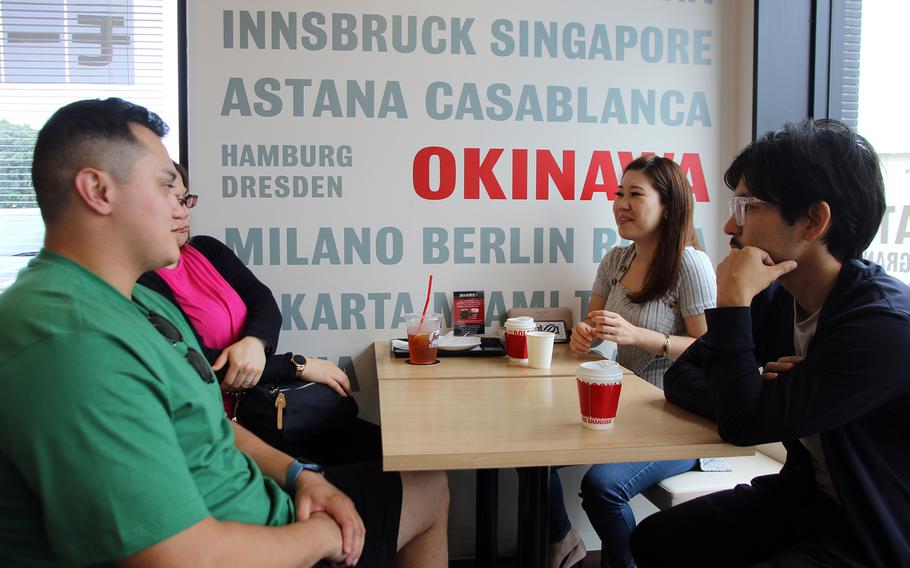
(299, 362)
(296, 468)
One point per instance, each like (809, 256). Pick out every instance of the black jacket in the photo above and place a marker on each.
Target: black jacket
(853, 389)
(263, 318)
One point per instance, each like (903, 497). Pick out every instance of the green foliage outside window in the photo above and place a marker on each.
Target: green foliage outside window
(16, 144)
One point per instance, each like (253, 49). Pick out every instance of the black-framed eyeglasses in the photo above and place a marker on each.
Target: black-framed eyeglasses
(173, 335)
(189, 200)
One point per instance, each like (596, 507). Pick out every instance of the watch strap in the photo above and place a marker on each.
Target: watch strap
(296, 468)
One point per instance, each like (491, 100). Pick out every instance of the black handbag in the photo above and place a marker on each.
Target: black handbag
(290, 413)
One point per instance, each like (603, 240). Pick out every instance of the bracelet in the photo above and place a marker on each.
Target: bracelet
(666, 352)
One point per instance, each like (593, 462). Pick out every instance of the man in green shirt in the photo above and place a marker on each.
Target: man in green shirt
(114, 448)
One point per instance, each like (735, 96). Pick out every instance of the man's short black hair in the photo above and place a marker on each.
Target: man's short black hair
(90, 133)
(812, 161)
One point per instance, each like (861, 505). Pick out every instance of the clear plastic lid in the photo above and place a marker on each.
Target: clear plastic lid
(430, 316)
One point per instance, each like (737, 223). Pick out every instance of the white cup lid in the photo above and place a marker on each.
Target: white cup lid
(520, 322)
(605, 370)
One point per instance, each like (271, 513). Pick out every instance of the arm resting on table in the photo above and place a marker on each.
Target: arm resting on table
(844, 376)
(685, 384)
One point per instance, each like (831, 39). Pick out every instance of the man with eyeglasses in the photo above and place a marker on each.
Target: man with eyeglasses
(114, 448)
(809, 345)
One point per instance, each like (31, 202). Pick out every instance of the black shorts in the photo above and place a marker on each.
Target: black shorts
(377, 497)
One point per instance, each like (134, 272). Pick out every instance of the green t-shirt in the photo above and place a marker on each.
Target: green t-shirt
(110, 441)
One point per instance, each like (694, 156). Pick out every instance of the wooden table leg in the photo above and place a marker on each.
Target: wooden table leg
(533, 516)
(486, 515)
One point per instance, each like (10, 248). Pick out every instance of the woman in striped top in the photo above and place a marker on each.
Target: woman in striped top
(650, 299)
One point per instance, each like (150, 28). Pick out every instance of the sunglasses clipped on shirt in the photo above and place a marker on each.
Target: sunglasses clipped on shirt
(189, 200)
(173, 335)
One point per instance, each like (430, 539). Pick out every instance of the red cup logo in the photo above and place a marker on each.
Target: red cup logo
(516, 344)
(598, 401)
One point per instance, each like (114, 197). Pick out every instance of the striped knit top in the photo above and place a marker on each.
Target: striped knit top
(694, 292)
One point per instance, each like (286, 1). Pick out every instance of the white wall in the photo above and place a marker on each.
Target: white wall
(241, 94)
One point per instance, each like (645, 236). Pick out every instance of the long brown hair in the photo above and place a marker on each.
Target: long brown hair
(184, 175)
(677, 230)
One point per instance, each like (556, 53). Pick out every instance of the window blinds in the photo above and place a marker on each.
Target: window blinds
(53, 52)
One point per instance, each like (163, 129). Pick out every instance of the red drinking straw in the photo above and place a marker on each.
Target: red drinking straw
(427, 303)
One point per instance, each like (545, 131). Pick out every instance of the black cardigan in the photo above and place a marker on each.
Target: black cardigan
(263, 319)
(853, 389)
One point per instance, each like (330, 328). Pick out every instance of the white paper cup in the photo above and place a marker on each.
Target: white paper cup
(540, 349)
(599, 385)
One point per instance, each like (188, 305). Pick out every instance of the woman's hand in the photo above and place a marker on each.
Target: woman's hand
(245, 361)
(613, 327)
(584, 334)
(327, 373)
(582, 338)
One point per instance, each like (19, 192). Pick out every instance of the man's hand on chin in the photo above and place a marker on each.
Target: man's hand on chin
(746, 272)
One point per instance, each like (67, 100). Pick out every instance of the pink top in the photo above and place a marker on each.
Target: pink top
(212, 305)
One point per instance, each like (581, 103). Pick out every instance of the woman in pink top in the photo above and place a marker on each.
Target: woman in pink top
(237, 322)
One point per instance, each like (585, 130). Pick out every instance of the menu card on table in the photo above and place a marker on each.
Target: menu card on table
(467, 312)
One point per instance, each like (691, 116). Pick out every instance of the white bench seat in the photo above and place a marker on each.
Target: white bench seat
(691, 484)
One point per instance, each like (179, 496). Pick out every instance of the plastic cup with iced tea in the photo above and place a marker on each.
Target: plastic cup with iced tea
(423, 338)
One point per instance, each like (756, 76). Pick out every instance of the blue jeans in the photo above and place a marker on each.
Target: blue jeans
(605, 492)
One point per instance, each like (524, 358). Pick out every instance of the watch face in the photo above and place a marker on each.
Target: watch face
(298, 360)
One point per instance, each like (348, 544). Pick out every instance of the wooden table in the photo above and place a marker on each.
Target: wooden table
(476, 423)
(484, 414)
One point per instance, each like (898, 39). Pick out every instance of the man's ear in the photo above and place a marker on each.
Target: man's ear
(818, 219)
(93, 188)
